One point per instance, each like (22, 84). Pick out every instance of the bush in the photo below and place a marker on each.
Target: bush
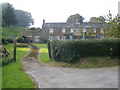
(71, 50)
(10, 40)
(4, 40)
(4, 54)
(42, 40)
(20, 39)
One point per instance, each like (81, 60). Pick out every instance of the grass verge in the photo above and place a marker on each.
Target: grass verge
(89, 62)
(13, 75)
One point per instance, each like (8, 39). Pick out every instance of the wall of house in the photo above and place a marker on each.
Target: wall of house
(58, 32)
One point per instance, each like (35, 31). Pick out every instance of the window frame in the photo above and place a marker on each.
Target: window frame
(51, 30)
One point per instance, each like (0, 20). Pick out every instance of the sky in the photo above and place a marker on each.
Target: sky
(60, 10)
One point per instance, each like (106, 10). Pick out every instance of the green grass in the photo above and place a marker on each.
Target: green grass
(11, 32)
(0, 78)
(13, 75)
(89, 62)
(43, 52)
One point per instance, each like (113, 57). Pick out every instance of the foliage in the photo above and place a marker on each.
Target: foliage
(5, 52)
(72, 18)
(4, 40)
(8, 15)
(114, 26)
(20, 39)
(99, 19)
(12, 17)
(13, 74)
(9, 40)
(71, 51)
(24, 18)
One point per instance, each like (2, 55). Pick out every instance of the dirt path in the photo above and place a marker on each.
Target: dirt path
(59, 77)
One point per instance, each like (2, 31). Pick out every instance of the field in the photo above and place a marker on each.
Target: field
(12, 31)
(13, 75)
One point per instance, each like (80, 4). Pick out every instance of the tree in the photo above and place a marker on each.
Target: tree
(8, 15)
(24, 18)
(99, 19)
(114, 26)
(72, 18)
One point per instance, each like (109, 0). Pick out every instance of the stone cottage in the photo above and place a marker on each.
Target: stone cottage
(77, 30)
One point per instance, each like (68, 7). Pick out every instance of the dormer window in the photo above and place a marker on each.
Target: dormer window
(63, 30)
(51, 30)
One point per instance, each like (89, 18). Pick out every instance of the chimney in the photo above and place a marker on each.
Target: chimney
(43, 23)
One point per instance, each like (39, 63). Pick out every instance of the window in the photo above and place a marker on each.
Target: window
(71, 30)
(36, 38)
(50, 30)
(94, 30)
(84, 29)
(101, 30)
(57, 37)
(63, 37)
(63, 30)
(50, 38)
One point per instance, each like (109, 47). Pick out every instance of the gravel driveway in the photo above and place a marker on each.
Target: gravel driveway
(60, 77)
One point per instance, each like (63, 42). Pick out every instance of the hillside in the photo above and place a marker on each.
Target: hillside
(11, 32)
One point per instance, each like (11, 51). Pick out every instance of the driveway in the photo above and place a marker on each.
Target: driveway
(48, 76)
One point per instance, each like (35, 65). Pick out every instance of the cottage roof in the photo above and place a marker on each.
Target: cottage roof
(75, 25)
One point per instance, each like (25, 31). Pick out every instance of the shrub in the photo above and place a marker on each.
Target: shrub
(71, 50)
(4, 40)
(4, 54)
(10, 40)
(42, 40)
(20, 39)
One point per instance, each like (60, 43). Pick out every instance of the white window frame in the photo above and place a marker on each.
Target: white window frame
(50, 38)
(57, 37)
(51, 30)
(36, 38)
(63, 30)
(72, 30)
(102, 30)
(94, 30)
(84, 29)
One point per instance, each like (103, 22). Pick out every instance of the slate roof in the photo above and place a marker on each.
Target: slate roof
(75, 25)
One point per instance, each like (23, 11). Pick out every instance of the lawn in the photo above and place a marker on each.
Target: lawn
(43, 52)
(13, 75)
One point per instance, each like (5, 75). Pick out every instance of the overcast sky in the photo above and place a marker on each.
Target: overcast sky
(60, 10)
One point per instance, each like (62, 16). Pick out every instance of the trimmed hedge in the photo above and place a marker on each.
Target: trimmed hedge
(73, 50)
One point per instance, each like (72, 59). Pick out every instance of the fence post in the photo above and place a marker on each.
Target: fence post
(14, 55)
(49, 49)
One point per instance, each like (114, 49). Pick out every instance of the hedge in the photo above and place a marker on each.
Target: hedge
(72, 50)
